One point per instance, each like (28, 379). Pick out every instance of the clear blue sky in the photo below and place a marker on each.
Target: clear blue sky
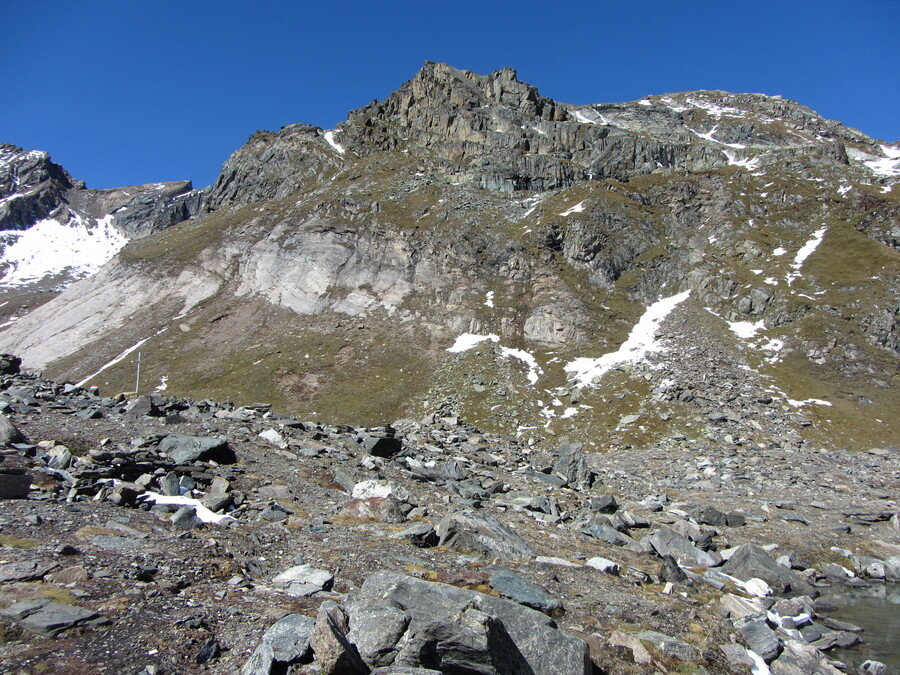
(125, 92)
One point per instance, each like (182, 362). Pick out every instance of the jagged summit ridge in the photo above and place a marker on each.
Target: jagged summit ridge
(496, 132)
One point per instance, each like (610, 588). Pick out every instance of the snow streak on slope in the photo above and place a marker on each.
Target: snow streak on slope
(641, 341)
(804, 253)
(48, 249)
(329, 137)
(466, 341)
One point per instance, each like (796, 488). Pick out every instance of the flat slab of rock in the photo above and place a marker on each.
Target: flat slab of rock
(304, 580)
(519, 589)
(49, 618)
(25, 571)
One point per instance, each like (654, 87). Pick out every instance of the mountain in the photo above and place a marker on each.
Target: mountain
(54, 230)
(690, 268)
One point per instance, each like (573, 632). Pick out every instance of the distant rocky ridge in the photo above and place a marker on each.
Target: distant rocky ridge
(33, 189)
(470, 205)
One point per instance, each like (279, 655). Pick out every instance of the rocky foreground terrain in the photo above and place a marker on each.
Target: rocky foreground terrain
(153, 534)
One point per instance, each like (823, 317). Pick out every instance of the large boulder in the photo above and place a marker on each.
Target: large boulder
(396, 620)
(666, 541)
(482, 534)
(751, 562)
(185, 449)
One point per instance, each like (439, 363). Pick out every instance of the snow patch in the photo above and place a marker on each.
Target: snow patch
(489, 299)
(887, 166)
(329, 138)
(746, 329)
(466, 341)
(203, 513)
(49, 249)
(641, 341)
(805, 251)
(578, 208)
(779, 251)
(809, 401)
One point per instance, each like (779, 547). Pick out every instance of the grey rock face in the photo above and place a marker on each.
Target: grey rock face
(519, 589)
(450, 629)
(184, 449)
(51, 618)
(666, 541)
(482, 534)
(285, 643)
(573, 465)
(750, 562)
(273, 166)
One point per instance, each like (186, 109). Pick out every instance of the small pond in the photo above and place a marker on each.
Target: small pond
(877, 609)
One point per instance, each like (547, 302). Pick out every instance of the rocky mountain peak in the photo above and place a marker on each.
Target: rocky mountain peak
(31, 186)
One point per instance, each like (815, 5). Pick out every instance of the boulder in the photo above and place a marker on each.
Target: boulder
(41, 615)
(383, 509)
(185, 449)
(304, 580)
(335, 653)
(286, 643)
(14, 485)
(572, 464)
(666, 541)
(482, 534)
(519, 589)
(8, 432)
(432, 625)
(751, 562)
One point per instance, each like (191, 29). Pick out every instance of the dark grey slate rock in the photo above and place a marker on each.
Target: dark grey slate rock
(750, 561)
(482, 534)
(29, 570)
(761, 639)
(380, 446)
(572, 464)
(186, 449)
(186, 518)
(51, 618)
(665, 541)
(8, 432)
(169, 485)
(143, 405)
(671, 571)
(450, 629)
(419, 534)
(210, 651)
(603, 504)
(608, 534)
(519, 589)
(15, 485)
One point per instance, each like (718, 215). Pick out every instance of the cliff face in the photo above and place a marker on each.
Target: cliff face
(330, 271)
